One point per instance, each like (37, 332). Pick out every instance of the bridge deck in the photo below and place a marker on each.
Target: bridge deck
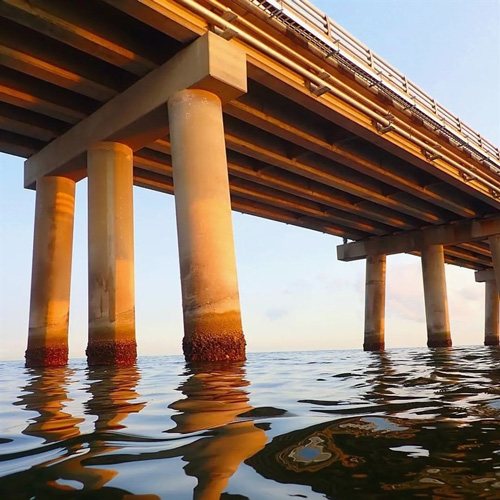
(299, 152)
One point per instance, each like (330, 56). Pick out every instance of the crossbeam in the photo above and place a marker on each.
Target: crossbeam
(411, 241)
(484, 275)
(138, 116)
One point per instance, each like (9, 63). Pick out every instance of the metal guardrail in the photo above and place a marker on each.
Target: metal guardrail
(336, 43)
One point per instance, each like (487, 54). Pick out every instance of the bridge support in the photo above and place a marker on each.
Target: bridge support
(375, 303)
(491, 313)
(111, 255)
(210, 298)
(436, 301)
(494, 242)
(51, 272)
(491, 306)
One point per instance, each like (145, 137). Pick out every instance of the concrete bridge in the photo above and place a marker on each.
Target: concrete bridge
(265, 107)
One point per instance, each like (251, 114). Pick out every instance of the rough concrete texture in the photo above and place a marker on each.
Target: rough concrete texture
(111, 253)
(436, 300)
(210, 298)
(51, 272)
(214, 337)
(491, 313)
(47, 356)
(373, 346)
(443, 342)
(491, 340)
(112, 352)
(375, 303)
(494, 242)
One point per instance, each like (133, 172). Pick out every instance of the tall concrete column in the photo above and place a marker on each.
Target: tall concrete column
(436, 300)
(210, 299)
(491, 313)
(111, 255)
(51, 272)
(494, 242)
(375, 303)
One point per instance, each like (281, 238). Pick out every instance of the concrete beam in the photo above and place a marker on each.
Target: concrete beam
(485, 275)
(449, 234)
(138, 116)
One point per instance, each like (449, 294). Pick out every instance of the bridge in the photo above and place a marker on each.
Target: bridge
(267, 107)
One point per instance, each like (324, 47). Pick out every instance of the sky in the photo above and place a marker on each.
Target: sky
(294, 294)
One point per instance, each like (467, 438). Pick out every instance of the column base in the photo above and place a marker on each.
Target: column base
(111, 352)
(439, 343)
(214, 337)
(46, 356)
(215, 347)
(373, 346)
(491, 341)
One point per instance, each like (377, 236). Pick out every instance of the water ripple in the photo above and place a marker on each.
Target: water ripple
(400, 424)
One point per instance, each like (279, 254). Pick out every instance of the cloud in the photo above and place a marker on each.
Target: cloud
(405, 294)
(276, 313)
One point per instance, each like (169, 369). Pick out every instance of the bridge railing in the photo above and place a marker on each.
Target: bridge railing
(335, 42)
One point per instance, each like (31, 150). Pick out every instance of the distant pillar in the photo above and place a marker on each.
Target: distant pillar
(494, 242)
(491, 313)
(436, 301)
(375, 303)
(51, 272)
(210, 299)
(111, 255)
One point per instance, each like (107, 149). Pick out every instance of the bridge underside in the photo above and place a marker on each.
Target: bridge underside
(293, 157)
(297, 152)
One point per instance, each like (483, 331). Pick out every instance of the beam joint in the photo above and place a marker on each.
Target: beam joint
(464, 231)
(137, 116)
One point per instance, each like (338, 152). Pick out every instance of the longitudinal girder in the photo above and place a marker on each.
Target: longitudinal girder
(328, 137)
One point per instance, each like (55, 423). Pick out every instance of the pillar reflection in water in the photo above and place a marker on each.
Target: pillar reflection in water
(46, 394)
(65, 474)
(414, 431)
(214, 399)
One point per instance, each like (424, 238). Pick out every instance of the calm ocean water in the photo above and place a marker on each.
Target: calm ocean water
(401, 424)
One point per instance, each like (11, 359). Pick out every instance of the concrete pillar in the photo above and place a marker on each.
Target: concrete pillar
(375, 303)
(491, 313)
(436, 301)
(210, 299)
(111, 255)
(51, 272)
(494, 242)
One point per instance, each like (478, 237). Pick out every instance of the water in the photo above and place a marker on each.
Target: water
(408, 423)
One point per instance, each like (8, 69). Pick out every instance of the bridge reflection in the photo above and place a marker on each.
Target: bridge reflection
(64, 474)
(436, 451)
(429, 432)
(214, 399)
(80, 464)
